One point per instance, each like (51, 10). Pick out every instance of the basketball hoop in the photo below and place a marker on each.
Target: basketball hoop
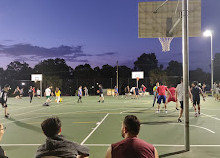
(137, 78)
(165, 42)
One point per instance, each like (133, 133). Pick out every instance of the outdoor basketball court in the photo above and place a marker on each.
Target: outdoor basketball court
(97, 125)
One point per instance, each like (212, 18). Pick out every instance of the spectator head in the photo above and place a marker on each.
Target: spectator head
(7, 87)
(130, 126)
(157, 84)
(195, 83)
(51, 126)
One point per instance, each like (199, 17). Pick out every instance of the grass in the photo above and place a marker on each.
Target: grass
(23, 134)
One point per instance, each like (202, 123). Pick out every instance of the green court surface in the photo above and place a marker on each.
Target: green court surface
(98, 125)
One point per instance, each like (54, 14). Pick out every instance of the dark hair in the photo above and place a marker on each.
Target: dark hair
(51, 126)
(7, 85)
(132, 124)
(195, 83)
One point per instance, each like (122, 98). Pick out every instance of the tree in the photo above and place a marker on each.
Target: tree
(174, 68)
(199, 75)
(217, 67)
(146, 63)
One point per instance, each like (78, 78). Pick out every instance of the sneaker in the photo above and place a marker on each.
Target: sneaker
(177, 109)
(99, 101)
(179, 120)
(199, 113)
(166, 111)
(6, 116)
(195, 114)
(103, 101)
(157, 111)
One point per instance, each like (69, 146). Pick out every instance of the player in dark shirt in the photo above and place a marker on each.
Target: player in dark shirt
(4, 98)
(196, 91)
(31, 93)
(101, 96)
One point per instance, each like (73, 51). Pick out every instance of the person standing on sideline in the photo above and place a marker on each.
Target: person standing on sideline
(86, 91)
(79, 94)
(4, 98)
(101, 96)
(57, 93)
(31, 93)
(38, 93)
(131, 146)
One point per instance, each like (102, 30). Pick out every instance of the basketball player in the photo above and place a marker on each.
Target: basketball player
(31, 93)
(79, 94)
(196, 91)
(57, 93)
(172, 97)
(4, 98)
(161, 90)
(101, 96)
(155, 92)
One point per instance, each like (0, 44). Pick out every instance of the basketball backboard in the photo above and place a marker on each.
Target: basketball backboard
(163, 19)
(137, 74)
(36, 77)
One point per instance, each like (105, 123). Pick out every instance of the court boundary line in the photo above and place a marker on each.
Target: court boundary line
(211, 116)
(163, 145)
(98, 124)
(194, 126)
(103, 145)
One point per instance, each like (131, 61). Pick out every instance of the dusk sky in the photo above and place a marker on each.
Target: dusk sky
(97, 32)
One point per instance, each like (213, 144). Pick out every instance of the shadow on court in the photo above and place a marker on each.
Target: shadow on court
(157, 122)
(173, 153)
(25, 125)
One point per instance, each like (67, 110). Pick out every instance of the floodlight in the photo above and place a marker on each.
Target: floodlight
(207, 33)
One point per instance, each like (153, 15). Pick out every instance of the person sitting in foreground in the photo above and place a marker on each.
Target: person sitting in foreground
(131, 146)
(56, 144)
(2, 152)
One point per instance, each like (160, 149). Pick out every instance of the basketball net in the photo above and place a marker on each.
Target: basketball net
(165, 42)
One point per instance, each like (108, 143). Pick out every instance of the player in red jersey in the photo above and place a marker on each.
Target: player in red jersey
(172, 96)
(161, 90)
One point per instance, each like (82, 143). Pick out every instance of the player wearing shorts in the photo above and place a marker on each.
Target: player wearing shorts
(196, 91)
(4, 98)
(31, 93)
(79, 94)
(17, 93)
(57, 93)
(101, 96)
(155, 92)
(179, 97)
(116, 91)
(143, 89)
(172, 97)
(161, 90)
(47, 94)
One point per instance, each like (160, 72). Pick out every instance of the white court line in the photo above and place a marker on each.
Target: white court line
(107, 145)
(52, 114)
(195, 126)
(211, 116)
(158, 145)
(94, 129)
(135, 109)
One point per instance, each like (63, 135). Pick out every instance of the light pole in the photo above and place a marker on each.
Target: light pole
(208, 33)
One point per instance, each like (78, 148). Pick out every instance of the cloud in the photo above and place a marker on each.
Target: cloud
(28, 52)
